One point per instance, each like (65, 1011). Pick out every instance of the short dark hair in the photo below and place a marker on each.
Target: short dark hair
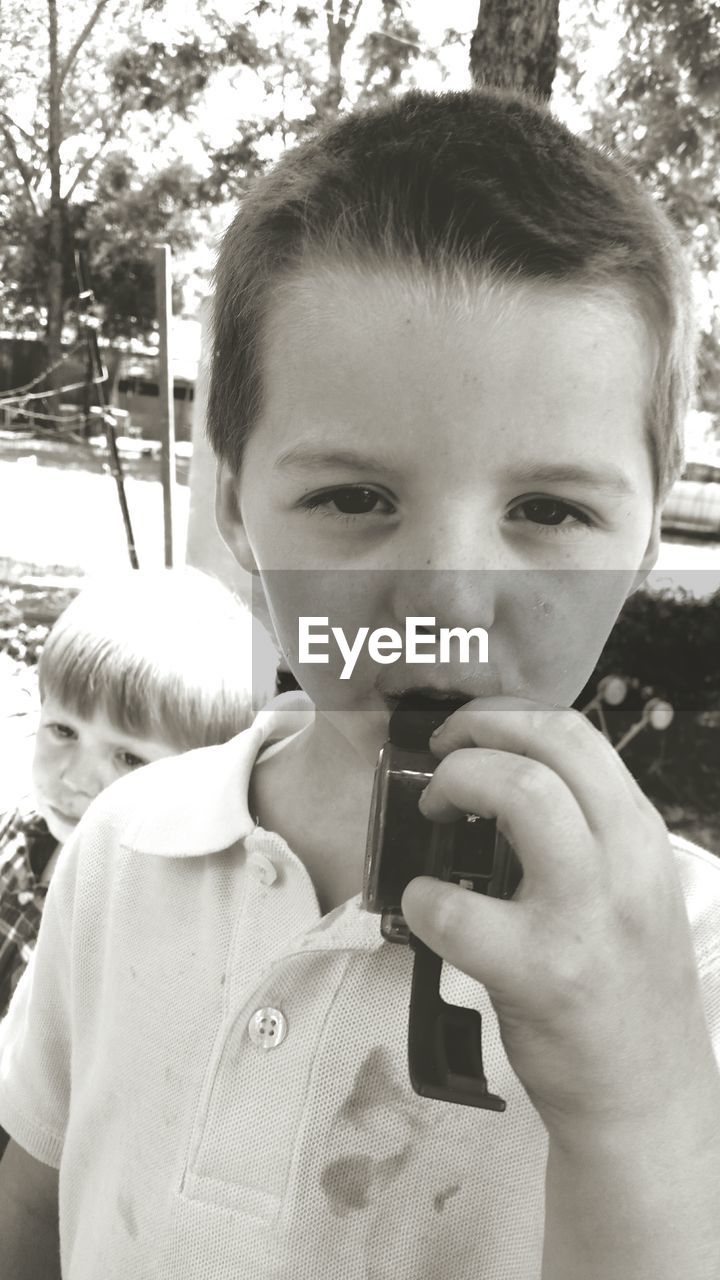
(483, 181)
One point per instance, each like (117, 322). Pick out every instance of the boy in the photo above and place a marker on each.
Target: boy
(451, 364)
(145, 666)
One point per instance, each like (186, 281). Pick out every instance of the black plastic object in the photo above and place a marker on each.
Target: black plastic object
(444, 1040)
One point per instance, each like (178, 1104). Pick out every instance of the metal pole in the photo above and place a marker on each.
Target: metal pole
(99, 378)
(163, 307)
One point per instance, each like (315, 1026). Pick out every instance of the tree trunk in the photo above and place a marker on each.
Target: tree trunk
(339, 31)
(515, 45)
(336, 48)
(54, 298)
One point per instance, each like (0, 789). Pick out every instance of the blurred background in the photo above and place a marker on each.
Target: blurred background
(131, 124)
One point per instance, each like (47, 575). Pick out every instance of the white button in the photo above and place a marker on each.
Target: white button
(267, 1028)
(262, 868)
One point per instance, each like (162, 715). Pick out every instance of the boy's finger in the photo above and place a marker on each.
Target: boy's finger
(481, 936)
(563, 740)
(533, 808)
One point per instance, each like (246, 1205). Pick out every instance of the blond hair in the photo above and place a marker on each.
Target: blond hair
(164, 654)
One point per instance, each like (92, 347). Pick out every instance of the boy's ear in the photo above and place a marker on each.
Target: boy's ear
(651, 553)
(232, 531)
(229, 520)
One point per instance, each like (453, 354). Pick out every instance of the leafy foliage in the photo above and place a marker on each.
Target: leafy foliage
(309, 75)
(127, 215)
(658, 107)
(131, 74)
(125, 76)
(157, 76)
(130, 214)
(389, 53)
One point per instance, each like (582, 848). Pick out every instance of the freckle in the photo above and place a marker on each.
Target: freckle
(440, 1200)
(222, 980)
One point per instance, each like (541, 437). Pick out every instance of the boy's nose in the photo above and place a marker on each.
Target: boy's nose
(86, 776)
(456, 568)
(458, 533)
(453, 597)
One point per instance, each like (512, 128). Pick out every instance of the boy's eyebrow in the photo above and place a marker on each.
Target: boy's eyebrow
(599, 477)
(311, 456)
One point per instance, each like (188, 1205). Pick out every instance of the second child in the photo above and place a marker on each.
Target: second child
(140, 666)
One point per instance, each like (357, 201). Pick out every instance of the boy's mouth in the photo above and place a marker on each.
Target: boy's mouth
(449, 693)
(417, 713)
(421, 700)
(69, 818)
(393, 696)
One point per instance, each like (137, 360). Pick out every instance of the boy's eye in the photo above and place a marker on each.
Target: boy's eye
(129, 760)
(349, 500)
(62, 731)
(548, 511)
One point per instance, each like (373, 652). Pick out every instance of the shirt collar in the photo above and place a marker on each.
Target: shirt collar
(197, 803)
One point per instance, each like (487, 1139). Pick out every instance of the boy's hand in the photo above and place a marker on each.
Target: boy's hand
(590, 967)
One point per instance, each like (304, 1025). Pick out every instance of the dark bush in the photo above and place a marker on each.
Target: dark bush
(668, 646)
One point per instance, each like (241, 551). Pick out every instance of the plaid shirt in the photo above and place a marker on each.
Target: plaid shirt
(26, 847)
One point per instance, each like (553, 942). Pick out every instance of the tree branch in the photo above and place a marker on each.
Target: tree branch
(83, 172)
(342, 18)
(25, 133)
(353, 20)
(390, 35)
(79, 41)
(22, 168)
(89, 161)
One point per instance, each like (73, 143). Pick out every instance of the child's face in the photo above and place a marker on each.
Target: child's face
(75, 759)
(477, 458)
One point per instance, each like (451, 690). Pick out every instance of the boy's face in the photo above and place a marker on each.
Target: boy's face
(75, 759)
(477, 456)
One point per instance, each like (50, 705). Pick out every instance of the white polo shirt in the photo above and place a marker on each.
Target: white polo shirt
(220, 1074)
